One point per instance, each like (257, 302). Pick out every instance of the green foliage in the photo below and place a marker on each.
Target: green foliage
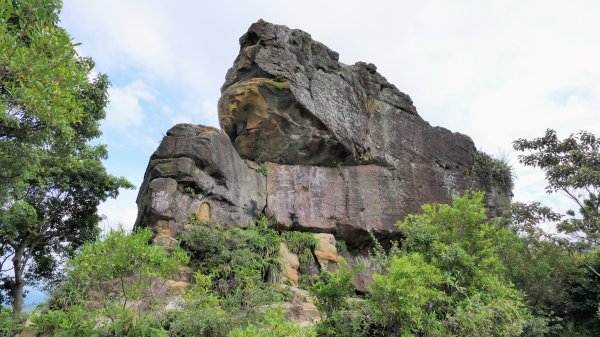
(190, 191)
(572, 166)
(225, 252)
(302, 244)
(524, 218)
(542, 267)
(410, 296)
(72, 321)
(77, 320)
(493, 172)
(331, 290)
(262, 168)
(235, 286)
(11, 324)
(583, 289)
(560, 276)
(449, 278)
(122, 255)
(200, 322)
(273, 324)
(379, 255)
(340, 246)
(51, 178)
(346, 324)
(111, 272)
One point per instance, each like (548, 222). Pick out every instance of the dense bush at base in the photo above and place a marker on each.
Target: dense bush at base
(10, 324)
(112, 287)
(455, 274)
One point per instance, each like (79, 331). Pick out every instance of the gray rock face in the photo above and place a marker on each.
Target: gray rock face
(347, 114)
(194, 166)
(346, 151)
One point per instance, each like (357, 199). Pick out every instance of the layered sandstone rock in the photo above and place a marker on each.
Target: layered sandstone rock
(344, 151)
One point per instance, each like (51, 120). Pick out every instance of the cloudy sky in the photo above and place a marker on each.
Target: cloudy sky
(495, 70)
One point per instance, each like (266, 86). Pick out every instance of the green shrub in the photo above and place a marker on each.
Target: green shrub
(340, 246)
(346, 324)
(200, 322)
(273, 324)
(378, 254)
(10, 324)
(227, 252)
(303, 245)
(331, 290)
(125, 263)
(237, 270)
(409, 296)
(72, 321)
(448, 278)
(493, 172)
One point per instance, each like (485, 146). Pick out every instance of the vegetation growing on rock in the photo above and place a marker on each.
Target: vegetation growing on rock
(493, 172)
(446, 270)
(52, 178)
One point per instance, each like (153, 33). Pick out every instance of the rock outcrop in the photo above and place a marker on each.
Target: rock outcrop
(314, 144)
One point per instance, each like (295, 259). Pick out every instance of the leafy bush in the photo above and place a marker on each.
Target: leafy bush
(379, 256)
(229, 252)
(348, 324)
(11, 324)
(331, 290)
(110, 272)
(72, 321)
(449, 278)
(340, 246)
(301, 244)
(237, 270)
(200, 322)
(493, 172)
(273, 324)
(409, 297)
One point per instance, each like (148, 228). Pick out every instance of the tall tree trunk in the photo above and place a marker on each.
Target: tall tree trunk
(17, 295)
(16, 288)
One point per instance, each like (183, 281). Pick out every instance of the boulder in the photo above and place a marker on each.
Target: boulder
(291, 263)
(197, 170)
(314, 144)
(326, 253)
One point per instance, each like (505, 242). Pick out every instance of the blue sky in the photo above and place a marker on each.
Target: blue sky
(494, 70)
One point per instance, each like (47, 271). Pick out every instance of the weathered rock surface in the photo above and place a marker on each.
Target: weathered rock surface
(346, 151)
(291, 93)
(326, 252)
(196, 169)
(301, 308)
(291, 263)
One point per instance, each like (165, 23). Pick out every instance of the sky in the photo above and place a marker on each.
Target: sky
(494, 70)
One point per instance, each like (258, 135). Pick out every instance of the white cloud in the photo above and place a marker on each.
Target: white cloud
(125, 109)
(193, 110)
(495, 70)
(120, 212)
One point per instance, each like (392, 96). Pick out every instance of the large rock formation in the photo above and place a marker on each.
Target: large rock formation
(344, 151)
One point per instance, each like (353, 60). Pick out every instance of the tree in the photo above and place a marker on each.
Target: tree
(449, 278)
(572, 166)
(51, 179)
(562, 275)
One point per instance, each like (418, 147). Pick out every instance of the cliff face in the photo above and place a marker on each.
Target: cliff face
(344, 151)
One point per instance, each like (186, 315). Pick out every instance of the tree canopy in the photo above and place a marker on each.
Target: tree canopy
(572, 166)
(51, 178)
